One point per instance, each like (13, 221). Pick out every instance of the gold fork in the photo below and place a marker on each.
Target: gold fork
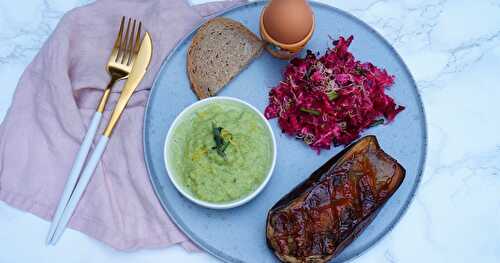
(119, 67)
(120, 61)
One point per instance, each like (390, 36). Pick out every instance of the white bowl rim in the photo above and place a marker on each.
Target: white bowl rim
(193, 199)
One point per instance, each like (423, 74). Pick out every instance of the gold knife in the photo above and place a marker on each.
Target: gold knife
(141, 63)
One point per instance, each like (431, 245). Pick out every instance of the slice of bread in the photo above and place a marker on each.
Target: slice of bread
(220, 49)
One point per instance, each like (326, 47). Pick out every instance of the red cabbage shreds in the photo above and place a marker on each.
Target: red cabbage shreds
(331, 99)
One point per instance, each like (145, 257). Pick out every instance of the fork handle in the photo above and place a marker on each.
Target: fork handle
(75, 172)
(80, 187)
(105, 95)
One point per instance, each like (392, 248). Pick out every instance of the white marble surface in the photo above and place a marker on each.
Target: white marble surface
(452, 47)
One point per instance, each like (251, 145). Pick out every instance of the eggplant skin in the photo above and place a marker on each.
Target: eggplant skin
(325, 213)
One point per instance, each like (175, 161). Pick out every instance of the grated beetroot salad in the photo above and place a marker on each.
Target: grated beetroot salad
(331, 99)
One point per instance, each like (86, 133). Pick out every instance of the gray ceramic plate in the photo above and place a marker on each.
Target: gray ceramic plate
(238, 235)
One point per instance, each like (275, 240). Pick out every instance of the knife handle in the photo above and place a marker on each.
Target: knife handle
(75, 172)
(80, 187)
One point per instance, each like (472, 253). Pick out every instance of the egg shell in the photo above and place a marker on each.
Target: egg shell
(288, 21)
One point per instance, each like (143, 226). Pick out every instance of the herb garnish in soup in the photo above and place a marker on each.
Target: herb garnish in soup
(221, 151)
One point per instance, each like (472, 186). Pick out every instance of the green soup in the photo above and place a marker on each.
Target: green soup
(228, 172)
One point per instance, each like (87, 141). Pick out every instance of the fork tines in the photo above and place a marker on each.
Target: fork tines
(125, 47)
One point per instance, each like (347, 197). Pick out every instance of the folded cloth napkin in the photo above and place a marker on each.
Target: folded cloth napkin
(53, 104)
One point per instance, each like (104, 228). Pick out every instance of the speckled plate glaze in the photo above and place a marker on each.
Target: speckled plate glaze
(238, 235)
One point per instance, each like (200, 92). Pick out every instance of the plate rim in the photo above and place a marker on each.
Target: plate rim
(421, 166)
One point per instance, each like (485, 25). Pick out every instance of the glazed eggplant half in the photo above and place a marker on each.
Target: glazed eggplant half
(325, 213)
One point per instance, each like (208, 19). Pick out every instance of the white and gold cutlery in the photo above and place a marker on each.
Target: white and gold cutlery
(129, 59)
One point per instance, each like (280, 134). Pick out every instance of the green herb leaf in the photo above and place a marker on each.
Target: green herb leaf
(220, 143)
(360, 71)
(217, 136)
(221, 153)
(224, 146)
(308, 72)
(310, 111)
(332, 95)
(377, 122)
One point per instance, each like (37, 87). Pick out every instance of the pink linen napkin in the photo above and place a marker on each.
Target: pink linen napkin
(54, 101)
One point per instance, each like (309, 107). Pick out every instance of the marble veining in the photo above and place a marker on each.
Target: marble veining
(452, 48)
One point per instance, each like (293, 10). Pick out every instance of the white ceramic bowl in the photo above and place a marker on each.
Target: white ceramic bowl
(173, 177)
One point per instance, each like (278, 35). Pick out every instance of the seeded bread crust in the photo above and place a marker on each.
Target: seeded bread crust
(220, 49)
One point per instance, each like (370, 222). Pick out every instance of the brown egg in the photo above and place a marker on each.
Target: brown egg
(288, 21)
